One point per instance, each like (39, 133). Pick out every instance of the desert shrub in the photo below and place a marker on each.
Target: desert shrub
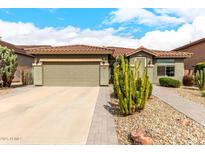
(169, 82)
(188, 80)
(199, 75)
(203, 93)
(27, 77)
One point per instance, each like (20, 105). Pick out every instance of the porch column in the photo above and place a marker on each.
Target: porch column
(37, 74)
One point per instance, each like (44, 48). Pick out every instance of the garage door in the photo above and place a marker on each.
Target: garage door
(71, 74)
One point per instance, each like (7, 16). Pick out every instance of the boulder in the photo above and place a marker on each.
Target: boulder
(139, 136)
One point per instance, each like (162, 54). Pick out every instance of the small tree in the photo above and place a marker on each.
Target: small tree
(8, 65)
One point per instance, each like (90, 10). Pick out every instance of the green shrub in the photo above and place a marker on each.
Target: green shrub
(203, 93)
(169, 82)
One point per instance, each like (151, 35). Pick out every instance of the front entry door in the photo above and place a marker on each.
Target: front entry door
(142, 61)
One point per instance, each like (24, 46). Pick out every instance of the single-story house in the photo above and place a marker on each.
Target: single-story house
(198, 50)
(72, 65)
(83, 65)
(159, 63)
(24, 59)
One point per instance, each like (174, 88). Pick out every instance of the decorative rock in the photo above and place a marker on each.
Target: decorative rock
(184, 122)
(145, 140)
(139, 136)
(136, 133)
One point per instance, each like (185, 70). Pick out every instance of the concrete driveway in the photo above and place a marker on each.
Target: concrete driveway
(47, 115)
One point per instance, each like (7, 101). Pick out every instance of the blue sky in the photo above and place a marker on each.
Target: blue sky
(82, 18)
(125, 27)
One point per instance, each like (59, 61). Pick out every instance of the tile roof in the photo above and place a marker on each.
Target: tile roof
(156, 53)
(70, 49)
(190, 44)
(118, 51)
(32, 46)
(13, 47)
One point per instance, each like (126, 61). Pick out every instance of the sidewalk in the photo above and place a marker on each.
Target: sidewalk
(191, 109)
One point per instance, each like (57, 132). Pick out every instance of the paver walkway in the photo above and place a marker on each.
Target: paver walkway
(191, 109)
(102, 130)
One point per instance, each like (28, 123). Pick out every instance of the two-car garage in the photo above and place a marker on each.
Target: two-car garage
(74, 65)
(71, 74)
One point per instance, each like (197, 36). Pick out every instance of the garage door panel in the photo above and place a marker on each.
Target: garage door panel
(71, 74)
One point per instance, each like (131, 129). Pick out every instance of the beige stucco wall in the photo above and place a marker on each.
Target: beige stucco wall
(104, 74)
(38, 74)
(141, 54)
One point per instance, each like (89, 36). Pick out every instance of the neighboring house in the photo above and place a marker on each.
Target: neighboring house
(24, 59)
(72, 65)
(198, 50)
(159, 63)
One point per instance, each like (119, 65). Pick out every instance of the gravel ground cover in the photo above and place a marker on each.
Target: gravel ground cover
(161, 122)
(191, 93)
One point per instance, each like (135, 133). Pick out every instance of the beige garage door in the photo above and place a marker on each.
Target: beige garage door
(71, 74)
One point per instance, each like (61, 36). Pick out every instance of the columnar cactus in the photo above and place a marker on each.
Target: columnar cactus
(123, 84)
(199, 75)
(132, 90)
(8, 65)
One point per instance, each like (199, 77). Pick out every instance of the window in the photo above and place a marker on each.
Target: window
(161, 71)
(165, 60)
(170, 70)
(165, 70)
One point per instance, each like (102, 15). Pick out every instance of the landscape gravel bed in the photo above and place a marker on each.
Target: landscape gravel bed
(162, 123)
(191, 93)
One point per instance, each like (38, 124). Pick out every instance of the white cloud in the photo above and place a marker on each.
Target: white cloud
(27, 33)
(170, 39)
(188, 14)
(142, 16)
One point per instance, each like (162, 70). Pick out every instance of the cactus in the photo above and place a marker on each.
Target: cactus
(132, 90)
(8, 65)
(143, 89)
(123, 84)
(199, 75)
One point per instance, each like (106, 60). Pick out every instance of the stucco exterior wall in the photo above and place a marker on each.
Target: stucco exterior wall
(149, 58)
(24, 60)
(38, 74)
